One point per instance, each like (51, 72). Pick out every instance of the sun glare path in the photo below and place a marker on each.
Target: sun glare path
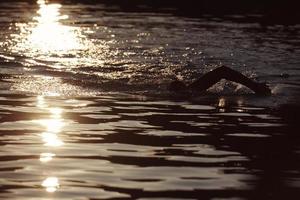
(51, 184)
(53, 128)
(50, 35)
(46, 34)
(53, 125)
(46, 157)
(50, 137)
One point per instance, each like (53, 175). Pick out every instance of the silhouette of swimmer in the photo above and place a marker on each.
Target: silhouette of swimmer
(214, 76)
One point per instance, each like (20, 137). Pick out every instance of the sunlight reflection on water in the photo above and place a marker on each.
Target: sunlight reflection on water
(49, 40)
(46, 34)
(117, 156)
(46, 157)
(53, 125)
(51, 184)
(106, 147)
(50, 137)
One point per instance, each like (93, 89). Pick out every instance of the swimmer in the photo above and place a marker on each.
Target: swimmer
(214, 76)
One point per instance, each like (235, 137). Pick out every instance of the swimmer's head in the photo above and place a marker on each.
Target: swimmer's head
(263, 89)
(177, 86)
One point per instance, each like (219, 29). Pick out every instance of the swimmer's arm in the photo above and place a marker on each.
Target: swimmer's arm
(214, 76)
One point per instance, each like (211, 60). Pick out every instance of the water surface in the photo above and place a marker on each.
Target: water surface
(85, 112)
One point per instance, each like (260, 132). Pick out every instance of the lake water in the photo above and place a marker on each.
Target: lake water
(85, 112)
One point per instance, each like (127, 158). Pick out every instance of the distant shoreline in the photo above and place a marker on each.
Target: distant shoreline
(284, 12)
(272, 11)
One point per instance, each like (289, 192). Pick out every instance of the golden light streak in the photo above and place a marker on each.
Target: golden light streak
(51, 139)
(51, 184)
(52, 125)
(46, 157)
(46, 34)
(56, 112)
(41, 101)
(49, 35)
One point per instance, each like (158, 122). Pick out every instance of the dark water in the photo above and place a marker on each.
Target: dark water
(85, 112)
